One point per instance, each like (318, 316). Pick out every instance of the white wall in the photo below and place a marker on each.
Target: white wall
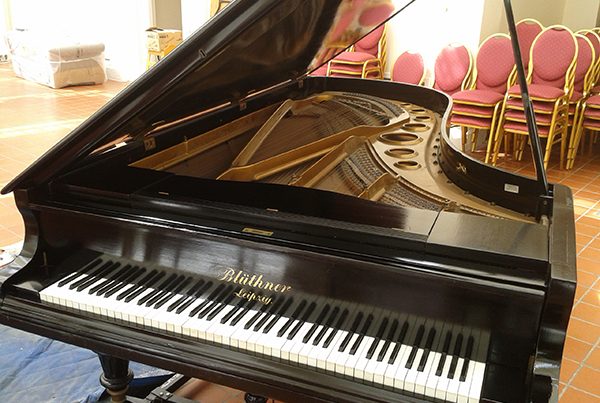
(575, 14)
(427, 26)
(194, 13)
(120, 25)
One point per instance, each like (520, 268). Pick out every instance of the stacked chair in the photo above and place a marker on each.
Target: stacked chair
(452, 69)
(550, 80)
(409, 68)
(527, 30)
(583, 81)
(479, 106)
(366, 60)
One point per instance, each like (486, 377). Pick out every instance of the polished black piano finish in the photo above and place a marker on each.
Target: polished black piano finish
(512, 280)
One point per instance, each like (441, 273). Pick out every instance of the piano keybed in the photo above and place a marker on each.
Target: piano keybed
(407, 353)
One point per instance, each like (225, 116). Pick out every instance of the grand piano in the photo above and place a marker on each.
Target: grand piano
(232, 218)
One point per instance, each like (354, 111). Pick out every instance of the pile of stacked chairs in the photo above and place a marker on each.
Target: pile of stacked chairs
(563, 76)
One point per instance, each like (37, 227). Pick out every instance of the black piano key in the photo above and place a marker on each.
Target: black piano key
(327, 326)
(207, 301)
(427, 349)
(243, 313)
(137, 284)
(220, 307)
(233, 310)
(255, 317)
(218, 299)
(92, 279)
(467, 357)
(361, 334)
(353, 329)
(445, 351)
(454, 362)
(318, 323)
(186, 294)
(143, 287)
(126, 281)
(157, 293)
(174, 292)
(377, 338)
(415, 348)
(91, 275)
(337, 327)
(110, 279)
(158, 290)
(194, 297)
(292, 318)
(117, 277)
(79, 272)
(274, 307)
(388, 340)
(399, 341)
(301, 321)
(279, 314)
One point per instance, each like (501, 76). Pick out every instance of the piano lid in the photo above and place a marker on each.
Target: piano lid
(249, 46)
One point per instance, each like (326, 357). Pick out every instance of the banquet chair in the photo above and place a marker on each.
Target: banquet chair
(527, 30)
(582, 83)
(409, 68)
(478, 107)
(366, 60)
(550, 78)
(452, 69)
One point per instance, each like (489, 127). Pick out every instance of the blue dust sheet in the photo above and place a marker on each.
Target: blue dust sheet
(37, 369)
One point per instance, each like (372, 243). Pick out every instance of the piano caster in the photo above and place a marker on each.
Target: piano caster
(250, 398)
(115, 377)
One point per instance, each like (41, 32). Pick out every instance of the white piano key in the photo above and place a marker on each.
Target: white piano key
(423, 378)
(476, 382)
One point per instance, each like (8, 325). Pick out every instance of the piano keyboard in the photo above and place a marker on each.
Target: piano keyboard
(416, 355)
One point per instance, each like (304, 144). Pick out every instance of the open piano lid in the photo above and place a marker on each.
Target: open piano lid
(250, 46)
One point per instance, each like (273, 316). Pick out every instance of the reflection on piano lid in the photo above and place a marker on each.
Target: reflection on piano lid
(303, 238)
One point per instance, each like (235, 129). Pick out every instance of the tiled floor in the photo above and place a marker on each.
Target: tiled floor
(33, 118)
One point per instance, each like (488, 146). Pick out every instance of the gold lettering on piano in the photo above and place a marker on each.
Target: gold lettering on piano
(252, 280)
(252, 296)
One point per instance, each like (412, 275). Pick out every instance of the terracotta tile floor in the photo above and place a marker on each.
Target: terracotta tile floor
(34, 117)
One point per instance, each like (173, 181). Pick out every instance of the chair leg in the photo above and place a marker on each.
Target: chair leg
(474, 135)
(497, 144)
(463, 130)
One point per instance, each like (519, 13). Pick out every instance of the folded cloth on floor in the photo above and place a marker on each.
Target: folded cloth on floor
(56, 61)
(38, 369)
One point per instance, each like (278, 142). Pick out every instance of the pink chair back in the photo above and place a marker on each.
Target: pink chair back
(595, 40)
(585, 60)
(552, 54)
(495, 62)
(370, 43)
(452, 67)
(527, 30)
(409, 68)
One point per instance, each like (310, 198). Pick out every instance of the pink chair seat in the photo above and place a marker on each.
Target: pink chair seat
(482, 111)
(519, 116)
(485, 97)
(353, 57)
(592, 124)
(539, 91)
(471, 121)
(592, 113)
(595, 89)
(594, 101)
(519, 127)
(538, 106)
(321, 71)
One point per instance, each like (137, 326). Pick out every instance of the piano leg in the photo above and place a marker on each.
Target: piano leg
(250, 398)
(115, 377)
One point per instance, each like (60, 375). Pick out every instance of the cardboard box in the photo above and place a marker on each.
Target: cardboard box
(158, 39)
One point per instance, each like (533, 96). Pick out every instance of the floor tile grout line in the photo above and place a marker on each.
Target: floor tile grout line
(568, 384)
